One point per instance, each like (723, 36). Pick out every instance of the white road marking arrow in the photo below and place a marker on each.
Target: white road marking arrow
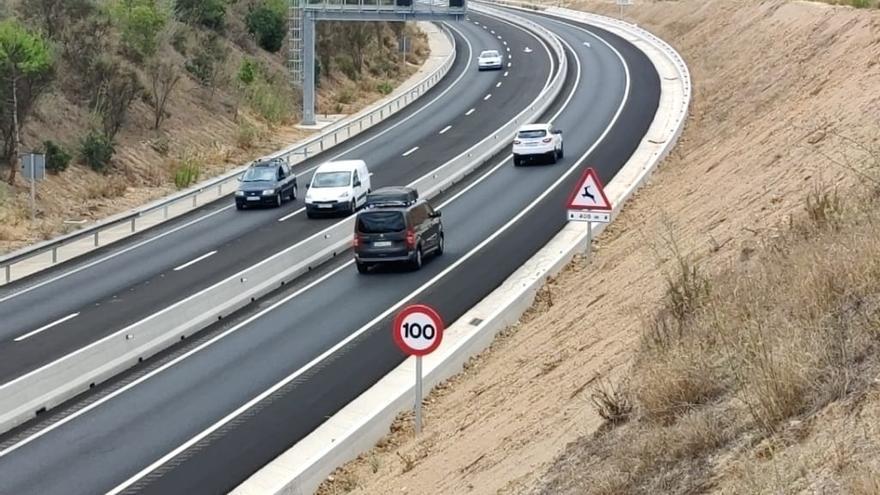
(528, 50)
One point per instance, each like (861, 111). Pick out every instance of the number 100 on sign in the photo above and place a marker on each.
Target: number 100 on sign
(418, 330)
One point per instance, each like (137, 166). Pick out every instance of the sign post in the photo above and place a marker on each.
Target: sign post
(622, 4)
(34, 169)
(418, 331)
(588, 203)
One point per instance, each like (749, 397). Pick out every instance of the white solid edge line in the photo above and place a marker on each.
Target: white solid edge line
(46, 327)
(192, 222)
(295, 213)
(487, 96)
(445, 129)
(113, 255)
(472, 110)
(193, 262)
(411, 151)
(171, 363)
(403, 300)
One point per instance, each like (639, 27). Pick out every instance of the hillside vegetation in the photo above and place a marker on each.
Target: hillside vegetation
(132, 99)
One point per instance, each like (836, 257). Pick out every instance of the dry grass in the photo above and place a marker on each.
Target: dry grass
(734, 363)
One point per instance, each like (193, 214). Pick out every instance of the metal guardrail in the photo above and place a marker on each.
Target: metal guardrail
(62, 379)
(127, 223)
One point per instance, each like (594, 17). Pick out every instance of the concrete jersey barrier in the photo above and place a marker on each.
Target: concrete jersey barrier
(360, 424)
(73, 374)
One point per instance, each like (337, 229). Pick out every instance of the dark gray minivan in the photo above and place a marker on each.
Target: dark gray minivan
(405, 233)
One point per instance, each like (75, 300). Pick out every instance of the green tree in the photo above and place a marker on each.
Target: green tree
(140, 22)
(267, 25)
(164, 77)
(54, 15)
(26, 68)
(208, 13)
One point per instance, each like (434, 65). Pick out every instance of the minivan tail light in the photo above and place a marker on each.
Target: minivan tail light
(546, 140)
(357, 240)
(410, 238)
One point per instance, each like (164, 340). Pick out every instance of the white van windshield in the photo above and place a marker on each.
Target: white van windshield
(331, 179)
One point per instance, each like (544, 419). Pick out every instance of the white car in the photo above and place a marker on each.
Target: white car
(336, 187)
(489, 59)
(537, 141)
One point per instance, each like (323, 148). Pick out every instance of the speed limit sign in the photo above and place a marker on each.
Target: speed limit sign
(418, 330)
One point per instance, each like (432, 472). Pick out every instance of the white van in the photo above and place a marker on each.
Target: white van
(338, 187)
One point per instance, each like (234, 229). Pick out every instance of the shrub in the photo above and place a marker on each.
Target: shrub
(268, 27)
(187, 172)
(57, 159)
(96, 150)
(247, 135)
(208, 61)
(207, 13)
(385, 87)
(140, 22)
(271, 101)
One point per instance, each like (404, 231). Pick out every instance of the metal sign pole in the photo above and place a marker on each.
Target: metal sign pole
(589, 238)
(33, 188)
(418, 404)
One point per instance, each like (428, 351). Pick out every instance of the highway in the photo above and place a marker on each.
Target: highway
(201, 418)
(86, 301)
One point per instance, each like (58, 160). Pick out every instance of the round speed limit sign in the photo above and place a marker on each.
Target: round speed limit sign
(418, 330)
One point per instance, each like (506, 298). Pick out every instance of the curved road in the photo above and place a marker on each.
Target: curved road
(204, 419)
(96, 298)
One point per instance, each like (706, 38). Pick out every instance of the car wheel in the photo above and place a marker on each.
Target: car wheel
(309, 213)
(516, 161)
(441, 246)
(362, 267)
(353, 207)
(239, 206)
(293, 193)
(553, 157)
(561, 152)
(278, 199)
(417, 260)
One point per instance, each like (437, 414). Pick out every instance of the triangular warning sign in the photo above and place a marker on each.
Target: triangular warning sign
(589, 194)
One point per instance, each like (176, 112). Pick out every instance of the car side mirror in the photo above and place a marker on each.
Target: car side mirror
(557, 131)
(437, 214)
(357, 184)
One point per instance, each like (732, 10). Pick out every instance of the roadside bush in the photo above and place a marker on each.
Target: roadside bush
(187, 172)
(140, 22)
(96, 151)
(57, 159)
(385, 87)
(272, 102)
(267, 25)
(247, 135)
(208, 61)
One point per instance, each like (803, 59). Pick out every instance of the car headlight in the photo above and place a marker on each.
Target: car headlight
(268, 192)
(343, 195)
(239, 193)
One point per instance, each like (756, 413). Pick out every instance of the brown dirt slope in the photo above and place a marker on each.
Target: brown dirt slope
(216, 128)
(783, 104)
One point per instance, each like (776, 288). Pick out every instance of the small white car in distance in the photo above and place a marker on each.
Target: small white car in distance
(489, 59)
(537, 141)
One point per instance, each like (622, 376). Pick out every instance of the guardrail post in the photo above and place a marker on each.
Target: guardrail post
(194, 199)
(54, 255)
(132, 224)
(219, 189)
(96, 237)
(8, 273)
(165, 211)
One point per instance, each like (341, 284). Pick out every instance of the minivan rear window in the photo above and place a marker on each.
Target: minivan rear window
(380, 222)
(532, 134)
